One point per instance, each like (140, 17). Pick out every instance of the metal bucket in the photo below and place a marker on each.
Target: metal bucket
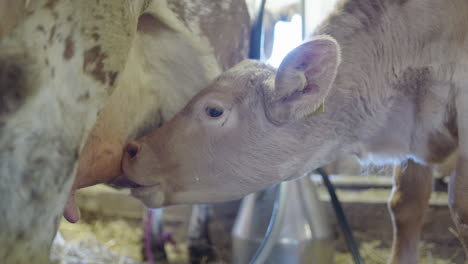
(304, 234)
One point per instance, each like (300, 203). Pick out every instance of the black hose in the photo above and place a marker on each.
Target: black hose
(342, 221)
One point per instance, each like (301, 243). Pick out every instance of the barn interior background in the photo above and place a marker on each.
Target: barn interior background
(115, 228)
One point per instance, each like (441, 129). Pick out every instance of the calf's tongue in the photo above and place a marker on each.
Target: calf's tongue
(71, 213)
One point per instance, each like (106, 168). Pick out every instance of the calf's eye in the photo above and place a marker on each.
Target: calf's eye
(214, 111)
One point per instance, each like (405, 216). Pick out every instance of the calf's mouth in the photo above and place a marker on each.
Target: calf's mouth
(124, 182)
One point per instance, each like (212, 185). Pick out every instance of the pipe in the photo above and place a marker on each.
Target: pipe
(272, 231)
(265, 248)
(342, 221)
(256, 35)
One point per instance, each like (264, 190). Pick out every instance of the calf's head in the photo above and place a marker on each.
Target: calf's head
(237, 136)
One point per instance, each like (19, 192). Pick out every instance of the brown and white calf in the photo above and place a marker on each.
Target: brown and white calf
(393, 79)
(62, 62)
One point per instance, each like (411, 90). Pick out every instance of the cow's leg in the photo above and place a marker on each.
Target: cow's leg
(458, 200)
(458, 186)
(408, 204)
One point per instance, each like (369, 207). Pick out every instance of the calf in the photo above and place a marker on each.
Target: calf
(391, 76)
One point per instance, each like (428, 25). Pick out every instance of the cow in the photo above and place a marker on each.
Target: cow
(381, 79)
(80, 78)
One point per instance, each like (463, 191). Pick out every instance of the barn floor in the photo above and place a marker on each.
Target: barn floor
(112, 221)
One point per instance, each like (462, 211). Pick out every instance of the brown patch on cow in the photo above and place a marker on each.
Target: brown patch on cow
(13, 89)
(50, 4)
(68, 52)
(55, 15)
(20, 235)
(95, 56)
(36, 196)
(112, 77)
(84, 97)
(41, 28)
(95, 36)
(52, 33)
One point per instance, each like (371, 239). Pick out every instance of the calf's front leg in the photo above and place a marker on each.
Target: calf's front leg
(412, 186)
(458, 201)
(458, 185)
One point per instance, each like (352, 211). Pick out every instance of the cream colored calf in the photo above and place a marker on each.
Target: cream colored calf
(393, 77)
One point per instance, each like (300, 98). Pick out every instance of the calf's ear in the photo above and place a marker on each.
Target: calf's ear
(303, 80)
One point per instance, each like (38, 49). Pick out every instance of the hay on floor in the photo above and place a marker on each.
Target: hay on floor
(97, 242)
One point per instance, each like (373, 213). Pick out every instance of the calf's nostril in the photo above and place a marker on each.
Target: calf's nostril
(132, 149)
